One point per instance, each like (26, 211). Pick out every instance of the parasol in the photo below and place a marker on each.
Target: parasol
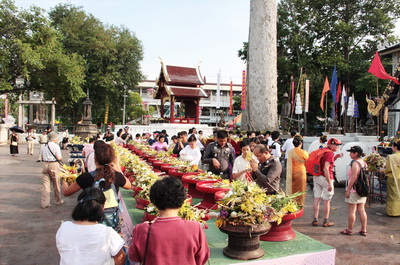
(17, 129)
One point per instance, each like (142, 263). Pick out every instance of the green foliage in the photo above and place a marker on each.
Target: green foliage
(112, 55)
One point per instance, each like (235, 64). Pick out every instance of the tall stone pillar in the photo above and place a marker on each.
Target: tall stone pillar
(261, 99)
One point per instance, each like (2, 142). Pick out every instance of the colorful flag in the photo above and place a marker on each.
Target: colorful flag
(356, 111)
(343, 101)
(243, 105)
(324, 90)
(231, 99)
(377, 69)
(338, 92)
(307, 96)
(333, 84)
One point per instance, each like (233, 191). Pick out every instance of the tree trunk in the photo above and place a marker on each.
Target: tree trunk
(261, 111)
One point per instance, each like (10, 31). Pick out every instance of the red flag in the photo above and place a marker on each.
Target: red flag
(230, 100)
(377, 69)
(292, 91)
(338, 92)
(324, 90)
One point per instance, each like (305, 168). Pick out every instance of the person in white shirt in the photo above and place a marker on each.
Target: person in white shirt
(84, 240)
(43, 139)
(288, 145)
(30, 138)
(275, 146)
(241, 167)
(191, 152)
(51, 155)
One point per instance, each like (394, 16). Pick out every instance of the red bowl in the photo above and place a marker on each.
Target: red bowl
(206, 187)
(187, 179)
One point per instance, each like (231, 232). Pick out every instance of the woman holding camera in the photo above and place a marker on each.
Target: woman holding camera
(107, 176)
(85, 241)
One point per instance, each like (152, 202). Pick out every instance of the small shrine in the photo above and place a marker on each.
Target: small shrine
(183, 85)
(86, 128)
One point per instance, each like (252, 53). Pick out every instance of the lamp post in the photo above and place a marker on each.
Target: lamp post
(19, 83)
(123, 111)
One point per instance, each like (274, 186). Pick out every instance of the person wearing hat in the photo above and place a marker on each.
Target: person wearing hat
(323, 185)
(354, 201)
(51, 156)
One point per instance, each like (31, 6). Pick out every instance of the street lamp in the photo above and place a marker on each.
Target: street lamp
(123, 111)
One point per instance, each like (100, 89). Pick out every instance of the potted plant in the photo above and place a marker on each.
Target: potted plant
(244, 216)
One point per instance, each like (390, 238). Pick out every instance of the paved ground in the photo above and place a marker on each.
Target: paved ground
(27, 232)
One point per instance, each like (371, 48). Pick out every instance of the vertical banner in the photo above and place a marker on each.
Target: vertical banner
(218, 89)
(243, 105)
(292, 92)
(231, 99)
(307, 95)
(6, 106)
(302, 87)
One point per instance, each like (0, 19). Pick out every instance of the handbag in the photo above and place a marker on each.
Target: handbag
(14, 143)
(110, 259)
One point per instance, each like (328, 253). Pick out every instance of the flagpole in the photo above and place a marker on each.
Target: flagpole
(377, 87)
(326, 109)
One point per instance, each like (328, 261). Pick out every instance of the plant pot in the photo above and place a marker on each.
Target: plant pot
(208, 191)
(244, 241)
(141, 203)
(283, 231)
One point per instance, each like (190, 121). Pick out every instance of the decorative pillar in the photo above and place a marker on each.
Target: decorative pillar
(172, 110)
(162, 107)
(197, 120)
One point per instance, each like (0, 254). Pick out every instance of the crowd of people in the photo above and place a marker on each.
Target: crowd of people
(262, 158)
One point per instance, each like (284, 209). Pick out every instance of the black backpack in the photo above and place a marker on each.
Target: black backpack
(362, 183)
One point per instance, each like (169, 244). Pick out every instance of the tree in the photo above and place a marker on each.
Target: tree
(30, 47)
(112, 56)
(262, 69)
(316, 35)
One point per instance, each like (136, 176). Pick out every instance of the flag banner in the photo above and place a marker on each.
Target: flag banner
(298, 108)
(333, 84)
(302, 87)
(307, 95)
(218, 89)
(356, 111)
(324, 90)
(343, 100)
(377, 69)
(231, 99)
(350, 107)
(338, 92)
(243, 105)
(292, 92)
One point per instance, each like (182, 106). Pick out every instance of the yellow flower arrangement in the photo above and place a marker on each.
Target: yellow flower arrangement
(248, 204)
(68, 173)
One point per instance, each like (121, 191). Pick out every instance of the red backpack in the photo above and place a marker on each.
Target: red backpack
(313, 163)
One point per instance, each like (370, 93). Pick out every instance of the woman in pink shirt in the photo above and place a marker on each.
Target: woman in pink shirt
(160, 145)
(354, 201)
(169, 240)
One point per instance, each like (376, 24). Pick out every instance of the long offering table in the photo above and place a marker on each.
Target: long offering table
(301, 250)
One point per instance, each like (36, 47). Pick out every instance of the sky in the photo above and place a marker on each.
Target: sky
(181, 32)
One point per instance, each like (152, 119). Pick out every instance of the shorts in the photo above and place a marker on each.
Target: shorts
(355, 198)
(321, 188)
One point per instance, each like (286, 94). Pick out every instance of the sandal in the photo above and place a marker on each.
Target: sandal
(328, 224)
(347, 232)
(363, 233)
(315, 223)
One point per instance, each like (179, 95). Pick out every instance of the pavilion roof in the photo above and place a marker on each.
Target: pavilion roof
(180, 75)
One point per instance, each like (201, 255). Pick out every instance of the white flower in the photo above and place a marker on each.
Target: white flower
(234, 214)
